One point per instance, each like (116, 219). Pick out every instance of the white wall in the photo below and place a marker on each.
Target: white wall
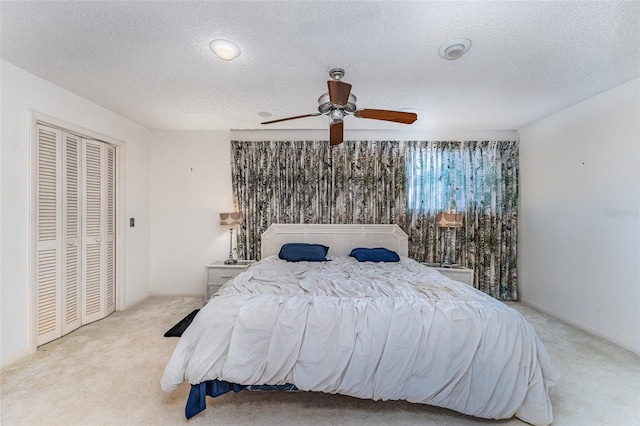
(190, 186)
(408, 134)
(579, 225)
(20, 93)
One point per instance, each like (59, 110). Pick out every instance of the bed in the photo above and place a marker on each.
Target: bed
(382, 331)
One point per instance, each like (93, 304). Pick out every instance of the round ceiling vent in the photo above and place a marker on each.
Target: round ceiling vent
(453, 49)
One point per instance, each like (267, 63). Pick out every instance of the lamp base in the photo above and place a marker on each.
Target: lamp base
(230, 262)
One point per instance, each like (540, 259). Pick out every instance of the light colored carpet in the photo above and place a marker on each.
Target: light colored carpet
(108, 373)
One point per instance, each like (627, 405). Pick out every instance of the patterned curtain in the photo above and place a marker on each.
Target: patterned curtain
(480, 180)
(310, 182)
(388, 182)
(368, 182)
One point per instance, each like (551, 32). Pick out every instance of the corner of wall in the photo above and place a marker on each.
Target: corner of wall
(578, 219)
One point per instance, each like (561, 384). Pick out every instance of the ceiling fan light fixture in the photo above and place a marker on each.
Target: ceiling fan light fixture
(336, 115)
(224, 49)
(454, 49)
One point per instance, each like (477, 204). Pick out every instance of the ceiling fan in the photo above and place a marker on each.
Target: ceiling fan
(339, 102)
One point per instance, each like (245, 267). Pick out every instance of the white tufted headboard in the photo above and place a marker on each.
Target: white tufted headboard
(340, 239)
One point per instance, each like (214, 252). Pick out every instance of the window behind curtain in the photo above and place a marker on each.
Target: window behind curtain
(435, 177)
(479, 180)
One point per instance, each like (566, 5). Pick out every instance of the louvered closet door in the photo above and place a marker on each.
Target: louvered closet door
(48, 234)
(93, 241)
(111, 231)
(94, 235)
(76, 223)
(72, 247)
(99, 230)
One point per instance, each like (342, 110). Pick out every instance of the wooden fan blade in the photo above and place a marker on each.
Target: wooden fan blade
(383, 114)
(291, 118)
(339, 92)
(336, 133)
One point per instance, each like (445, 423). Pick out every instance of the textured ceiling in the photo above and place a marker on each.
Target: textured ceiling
(150, 61)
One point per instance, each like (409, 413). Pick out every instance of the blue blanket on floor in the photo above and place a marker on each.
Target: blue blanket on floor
(196, 402)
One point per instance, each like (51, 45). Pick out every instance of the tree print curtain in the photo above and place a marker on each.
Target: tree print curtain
(388, 182)
(480, 180)
(368, 183)
(310, 182)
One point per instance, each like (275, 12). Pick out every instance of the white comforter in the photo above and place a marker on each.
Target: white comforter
(381, 331)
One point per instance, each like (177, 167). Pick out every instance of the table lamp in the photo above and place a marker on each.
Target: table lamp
(232, 219)
(450, 220)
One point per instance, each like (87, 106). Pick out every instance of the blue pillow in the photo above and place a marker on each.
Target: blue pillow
(374, 255)
(300, 252)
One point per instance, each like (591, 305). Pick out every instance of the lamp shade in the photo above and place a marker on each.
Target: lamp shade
(233, 218)
(449, 220)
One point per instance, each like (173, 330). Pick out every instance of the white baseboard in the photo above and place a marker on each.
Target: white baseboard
(17, 357)
(585, 327)
(162, 295)
(129, 304)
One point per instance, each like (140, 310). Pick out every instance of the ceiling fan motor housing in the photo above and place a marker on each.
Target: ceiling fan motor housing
(325, 105)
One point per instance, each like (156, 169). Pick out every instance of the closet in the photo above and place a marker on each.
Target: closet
(75, 231)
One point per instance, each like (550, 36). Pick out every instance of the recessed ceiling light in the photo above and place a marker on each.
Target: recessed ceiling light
(453, 49)
(224, 49)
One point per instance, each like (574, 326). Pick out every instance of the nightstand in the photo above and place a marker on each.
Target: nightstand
(218, 273)
(455, 272)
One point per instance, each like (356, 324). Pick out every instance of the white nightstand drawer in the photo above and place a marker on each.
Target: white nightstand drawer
(458, 273)
(218, 273)
(212, 289)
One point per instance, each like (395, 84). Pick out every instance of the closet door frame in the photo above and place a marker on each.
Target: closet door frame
(120, 152)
